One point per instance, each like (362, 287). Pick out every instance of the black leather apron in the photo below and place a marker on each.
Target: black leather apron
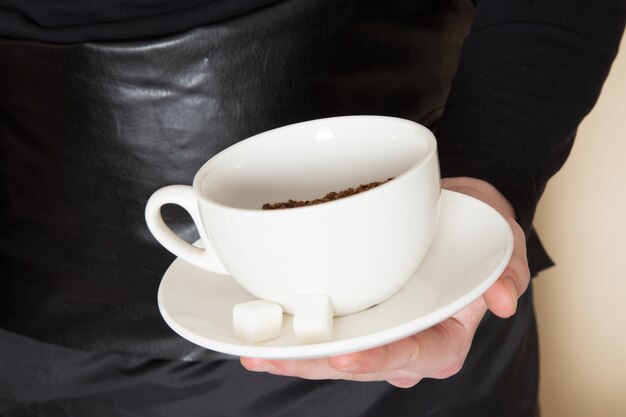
(88, 131)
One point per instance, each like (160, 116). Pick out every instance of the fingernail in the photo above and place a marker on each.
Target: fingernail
(348, 366)
(512, 289)
(351, 368)
(263, 367)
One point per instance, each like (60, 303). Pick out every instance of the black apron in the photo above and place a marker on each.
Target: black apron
(90, 130)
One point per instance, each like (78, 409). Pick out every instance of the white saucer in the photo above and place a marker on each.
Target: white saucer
(472, 246)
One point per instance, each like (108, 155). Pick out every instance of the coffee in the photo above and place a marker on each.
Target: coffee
(334, 195)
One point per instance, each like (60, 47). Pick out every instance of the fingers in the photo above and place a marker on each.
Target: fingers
(309, 369)
(502, 297)
(437, 352)
(319, 369)
(402, 354)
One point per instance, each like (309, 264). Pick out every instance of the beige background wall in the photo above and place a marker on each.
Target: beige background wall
(581, 303)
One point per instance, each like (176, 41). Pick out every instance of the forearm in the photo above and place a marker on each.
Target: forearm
(528, 74)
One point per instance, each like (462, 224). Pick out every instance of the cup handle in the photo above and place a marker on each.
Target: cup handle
(184, 196)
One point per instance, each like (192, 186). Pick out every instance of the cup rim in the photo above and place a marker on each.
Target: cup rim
(426, 134)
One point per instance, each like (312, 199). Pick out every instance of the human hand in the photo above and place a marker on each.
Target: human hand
(437, 352)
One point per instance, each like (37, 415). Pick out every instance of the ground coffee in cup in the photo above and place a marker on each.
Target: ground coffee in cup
(334, 195)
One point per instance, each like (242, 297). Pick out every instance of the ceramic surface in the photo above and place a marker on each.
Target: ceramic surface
(340, 248)
(471, 247)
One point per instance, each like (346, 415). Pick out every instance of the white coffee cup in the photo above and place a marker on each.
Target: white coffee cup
(358, 250)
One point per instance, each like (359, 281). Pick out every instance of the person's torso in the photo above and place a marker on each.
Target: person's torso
(90, 130)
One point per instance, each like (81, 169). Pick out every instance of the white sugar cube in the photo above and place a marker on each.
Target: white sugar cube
(257, 321)
(313, 318)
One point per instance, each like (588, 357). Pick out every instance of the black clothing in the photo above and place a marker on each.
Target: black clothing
(499, 379)
(529, 72)
(517, 51)
(90, 129)
(73, 21)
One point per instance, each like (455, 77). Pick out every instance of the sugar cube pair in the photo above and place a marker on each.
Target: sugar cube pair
(259, 320)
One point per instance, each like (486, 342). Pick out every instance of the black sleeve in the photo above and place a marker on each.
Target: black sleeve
(529, 71)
